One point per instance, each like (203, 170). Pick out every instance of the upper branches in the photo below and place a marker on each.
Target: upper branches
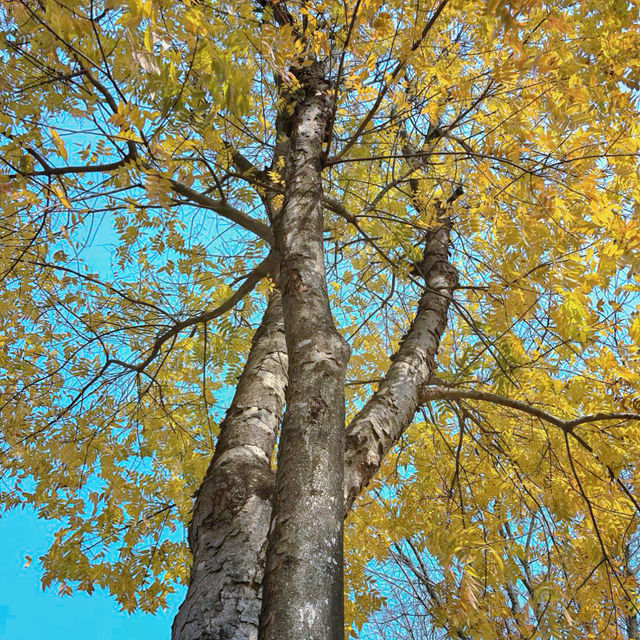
(262, 270)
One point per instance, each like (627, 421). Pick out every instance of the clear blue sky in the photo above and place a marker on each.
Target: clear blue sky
(28, 613)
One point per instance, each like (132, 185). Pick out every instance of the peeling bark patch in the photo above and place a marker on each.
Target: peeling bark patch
(317, 406)
(294, 285)
(308, 614)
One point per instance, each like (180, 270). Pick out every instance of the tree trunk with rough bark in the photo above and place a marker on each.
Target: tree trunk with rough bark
(232, 511)
(303, 581)
(317, 478)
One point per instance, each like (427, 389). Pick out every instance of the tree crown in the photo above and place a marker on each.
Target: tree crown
(143, 149)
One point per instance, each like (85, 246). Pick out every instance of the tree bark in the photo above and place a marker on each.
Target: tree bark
(232, 511)
(383, 419)
(302, 594)
(303, 581)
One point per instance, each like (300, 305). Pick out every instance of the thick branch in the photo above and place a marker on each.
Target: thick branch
(381, 422)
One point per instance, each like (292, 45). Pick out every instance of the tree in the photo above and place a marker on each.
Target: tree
(352, 179)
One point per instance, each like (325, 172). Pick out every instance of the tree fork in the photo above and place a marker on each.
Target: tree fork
(232, 511)
(303, 587)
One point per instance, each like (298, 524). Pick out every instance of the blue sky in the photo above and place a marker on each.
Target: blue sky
(28, 613)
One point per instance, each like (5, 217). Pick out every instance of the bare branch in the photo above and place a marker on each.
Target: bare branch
(429, 393)
(383, 91)
(262, 270)
(224, 209)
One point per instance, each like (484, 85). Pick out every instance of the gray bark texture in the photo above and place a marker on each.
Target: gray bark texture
(381, 422)
(232, 511)
(319, 475)
(303, 580)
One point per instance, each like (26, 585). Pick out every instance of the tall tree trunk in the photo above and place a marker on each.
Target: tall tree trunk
(232, 510)
(303, 581)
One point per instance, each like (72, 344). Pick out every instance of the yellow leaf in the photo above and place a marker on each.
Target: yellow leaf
(60, 193)
(57, 140)
(634, 330)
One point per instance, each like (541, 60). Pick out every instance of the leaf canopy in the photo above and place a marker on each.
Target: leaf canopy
(140, 158)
